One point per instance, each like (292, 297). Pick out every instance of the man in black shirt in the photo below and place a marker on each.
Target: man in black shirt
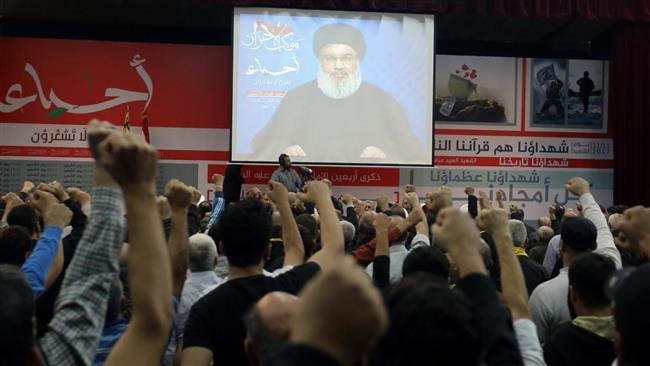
(587, 340)
(534, 273)
(215, 327)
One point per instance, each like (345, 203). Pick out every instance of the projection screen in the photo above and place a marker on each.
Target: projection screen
(330, 87)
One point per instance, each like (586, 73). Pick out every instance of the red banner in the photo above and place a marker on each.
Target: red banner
(72, 81)
(339, 176)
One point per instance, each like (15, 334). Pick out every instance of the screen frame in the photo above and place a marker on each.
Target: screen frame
(326, 12)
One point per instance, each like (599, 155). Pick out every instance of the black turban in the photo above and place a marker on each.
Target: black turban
(342, 34)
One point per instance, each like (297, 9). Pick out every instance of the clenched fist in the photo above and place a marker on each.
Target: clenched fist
(578, 186)
(130, 161)
(178, 194)
(58, 215)
(494, 221)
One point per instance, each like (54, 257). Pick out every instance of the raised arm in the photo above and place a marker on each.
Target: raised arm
(459, 235)
(74, 331)
(218, 202)
(330, 229)
(179, 197)
(294, 250)
(591, 211)
(45, 263)
(133, 164)
(495, 222)
(381, 265)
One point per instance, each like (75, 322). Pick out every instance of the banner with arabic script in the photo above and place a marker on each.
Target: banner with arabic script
(186, 90)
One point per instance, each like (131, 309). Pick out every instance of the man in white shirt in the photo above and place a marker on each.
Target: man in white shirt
(549, 303)
(202, 260)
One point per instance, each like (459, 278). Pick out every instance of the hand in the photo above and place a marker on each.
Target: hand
(455, 230)
(11, 201)
(131, 162)
(415, 216)
(381, 222)
(43, 201)
(28, 187)
(217, 179)
(413, 200)
(382, 203)
(78, 195)
(494, 221)
(347, 199)
(320, 322)
(99, 131)
(56, 189)
(551, 211)
(635, 225)
(164, 209)
(57, 215)
(469, 191)
(278, 193)
(196, 195)
(513, 207)
(577, 186)
(485, 200)
(409, 188)
(316, 192)
(501, 195)
(178, 194)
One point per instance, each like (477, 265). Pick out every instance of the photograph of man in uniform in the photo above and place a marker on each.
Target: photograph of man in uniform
(338, 116)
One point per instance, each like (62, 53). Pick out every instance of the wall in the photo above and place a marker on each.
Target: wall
(50, 88)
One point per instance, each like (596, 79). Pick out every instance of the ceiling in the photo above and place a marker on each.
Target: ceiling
(209, 22)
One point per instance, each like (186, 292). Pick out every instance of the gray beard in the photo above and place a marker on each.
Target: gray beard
(329, 87)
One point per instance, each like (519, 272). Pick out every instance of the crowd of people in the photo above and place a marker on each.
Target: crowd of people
(295, 276)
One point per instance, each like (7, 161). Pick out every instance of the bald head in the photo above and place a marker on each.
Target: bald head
(275, 310)
(267, 325)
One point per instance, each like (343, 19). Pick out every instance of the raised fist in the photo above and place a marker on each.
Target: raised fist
(316, 191)
(413, 200)
(277, 192)
(58, 215)
(494, 221)
(178, 194)
(382, 222)
(196, 195)
(56, 188)
(130, 161)
(469, 191)
(454, 228)
(79, 195)
(578, 186)
(42, 201)
(409, 188)
(99, 131)
(28, 186)
(635, 225)
(217, 179)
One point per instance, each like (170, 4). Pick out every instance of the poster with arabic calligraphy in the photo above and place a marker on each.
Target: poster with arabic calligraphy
(274, 54)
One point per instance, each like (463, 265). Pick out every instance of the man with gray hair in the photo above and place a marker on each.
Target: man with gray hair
(545, 234)
(348, 234)
(534, 273)
(202, 253)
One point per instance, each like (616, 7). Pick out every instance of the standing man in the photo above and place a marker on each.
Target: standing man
(586, 86)
(286, 175)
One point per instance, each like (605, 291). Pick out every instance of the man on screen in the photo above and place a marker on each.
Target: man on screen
(339, 117)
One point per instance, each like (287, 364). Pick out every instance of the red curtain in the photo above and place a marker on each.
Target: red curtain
(631, 10)
(629, 113)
